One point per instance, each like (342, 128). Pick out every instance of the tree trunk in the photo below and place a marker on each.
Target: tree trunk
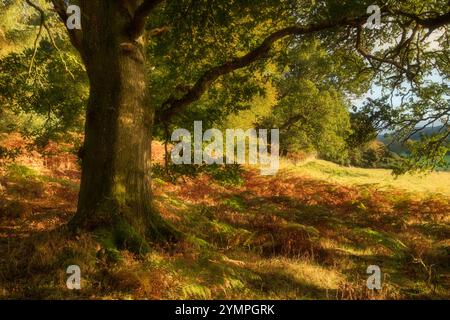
(115, 191)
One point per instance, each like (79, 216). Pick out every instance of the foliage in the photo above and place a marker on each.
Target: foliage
(9, 154)
(319, 72)
(226, 175)
(43, 89)
(271, 238)
(46, 104)
(374, 154)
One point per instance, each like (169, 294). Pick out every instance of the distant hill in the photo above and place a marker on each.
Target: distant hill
(400, 148)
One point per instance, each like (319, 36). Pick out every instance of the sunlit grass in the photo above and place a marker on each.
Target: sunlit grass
(436, 182)
(308, 233)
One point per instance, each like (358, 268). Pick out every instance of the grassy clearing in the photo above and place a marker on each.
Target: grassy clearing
(308, 233)
(436, 182)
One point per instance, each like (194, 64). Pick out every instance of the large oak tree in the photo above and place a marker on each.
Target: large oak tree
(115, 193)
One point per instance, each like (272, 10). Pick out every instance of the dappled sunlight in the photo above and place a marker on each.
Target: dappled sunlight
(291, 236)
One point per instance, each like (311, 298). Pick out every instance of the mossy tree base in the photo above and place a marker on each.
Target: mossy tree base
(118, 226)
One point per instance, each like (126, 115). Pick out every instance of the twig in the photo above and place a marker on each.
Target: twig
(43, 24)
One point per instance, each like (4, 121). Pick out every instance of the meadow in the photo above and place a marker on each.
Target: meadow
(421, 184)
(310, 232)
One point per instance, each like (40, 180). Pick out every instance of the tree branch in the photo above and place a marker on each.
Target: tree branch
(43, 24)
(38, 36)
(140, 16)
(74, 35)
(172, 105)
(362, 51)
(159, 31)
(431, 23)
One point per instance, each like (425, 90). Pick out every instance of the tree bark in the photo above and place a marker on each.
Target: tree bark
(115, 192)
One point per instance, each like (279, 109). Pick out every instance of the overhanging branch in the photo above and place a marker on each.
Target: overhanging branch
(172, 105)
(430, 22)
(382, 60)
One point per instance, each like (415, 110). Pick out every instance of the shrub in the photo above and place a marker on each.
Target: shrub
(374, 154)
(226, 175)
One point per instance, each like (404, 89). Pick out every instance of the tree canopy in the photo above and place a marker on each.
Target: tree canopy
(204, 55)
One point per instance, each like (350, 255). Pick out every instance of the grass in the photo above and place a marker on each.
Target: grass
(308, 233)
(436, 182)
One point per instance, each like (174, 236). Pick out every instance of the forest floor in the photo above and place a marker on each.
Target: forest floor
(310, 232)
